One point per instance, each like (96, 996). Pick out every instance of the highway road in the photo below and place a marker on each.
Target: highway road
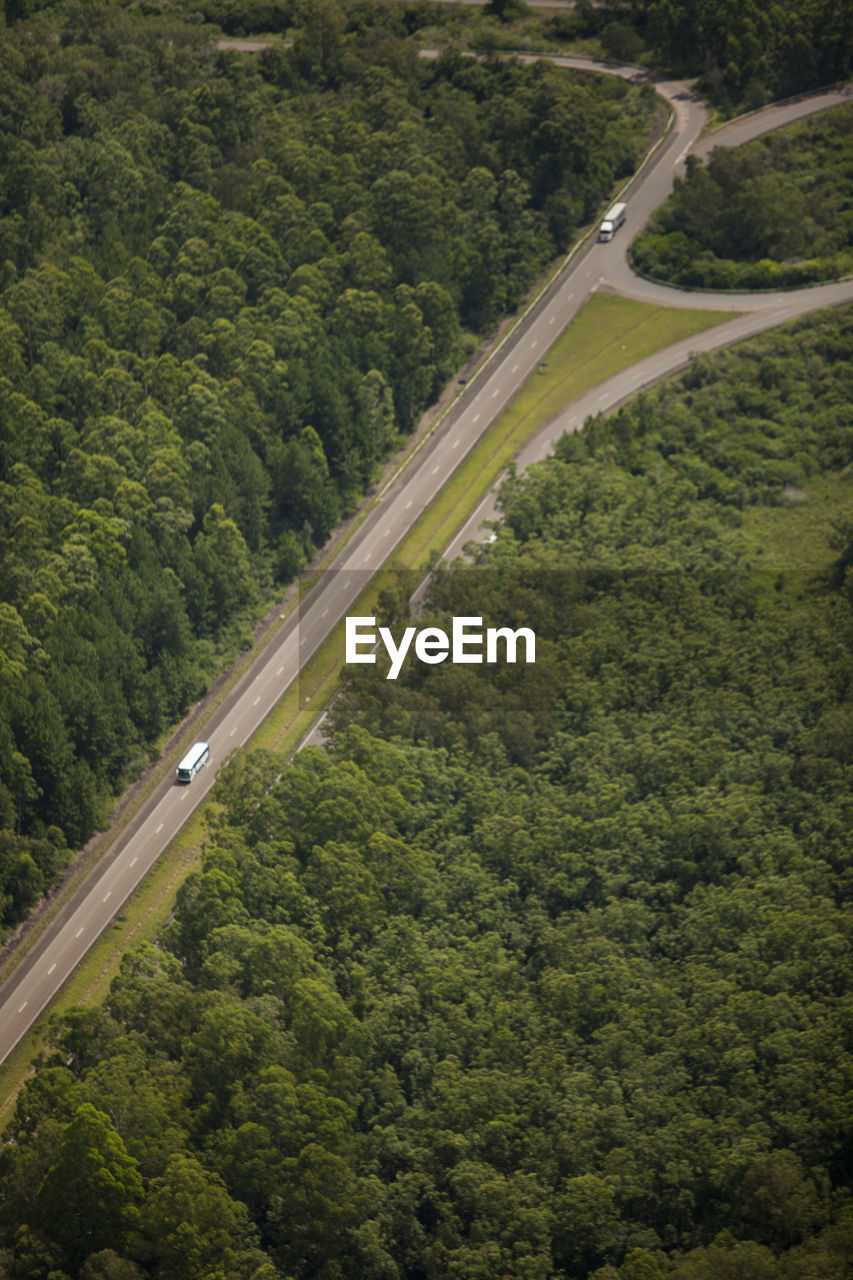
(39, 978)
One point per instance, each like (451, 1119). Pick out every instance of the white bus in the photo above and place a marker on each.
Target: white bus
(611, 222)
(195, 759)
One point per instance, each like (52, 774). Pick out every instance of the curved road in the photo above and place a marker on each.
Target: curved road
(42, 974)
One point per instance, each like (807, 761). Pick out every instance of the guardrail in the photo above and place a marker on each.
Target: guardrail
(842, 86)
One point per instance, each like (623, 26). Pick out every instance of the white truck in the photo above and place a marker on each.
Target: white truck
(611, 222)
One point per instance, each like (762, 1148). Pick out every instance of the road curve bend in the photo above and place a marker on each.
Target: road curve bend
(609, 263)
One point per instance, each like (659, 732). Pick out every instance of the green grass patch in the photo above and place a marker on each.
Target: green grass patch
(607, 335)
(798, 534)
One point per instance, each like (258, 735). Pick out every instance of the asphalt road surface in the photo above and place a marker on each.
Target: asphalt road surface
(38, 979)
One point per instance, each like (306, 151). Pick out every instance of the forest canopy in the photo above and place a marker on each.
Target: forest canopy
(229, 286)
(533, 974)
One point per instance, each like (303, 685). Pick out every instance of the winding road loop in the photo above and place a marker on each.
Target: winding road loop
(606, 266)
(43, 972)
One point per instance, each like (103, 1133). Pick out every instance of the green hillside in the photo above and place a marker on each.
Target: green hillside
(539, 971)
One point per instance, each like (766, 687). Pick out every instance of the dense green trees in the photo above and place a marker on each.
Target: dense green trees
(744, 55)
(769, 215)
(536, 972)
(228, 285)
(90, 1197)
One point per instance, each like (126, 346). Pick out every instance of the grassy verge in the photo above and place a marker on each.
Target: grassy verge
(609, 334)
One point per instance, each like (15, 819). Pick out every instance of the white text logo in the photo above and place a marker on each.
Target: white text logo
(466, 643)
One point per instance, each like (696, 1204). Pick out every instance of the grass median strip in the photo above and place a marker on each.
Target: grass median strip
(608, 335)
